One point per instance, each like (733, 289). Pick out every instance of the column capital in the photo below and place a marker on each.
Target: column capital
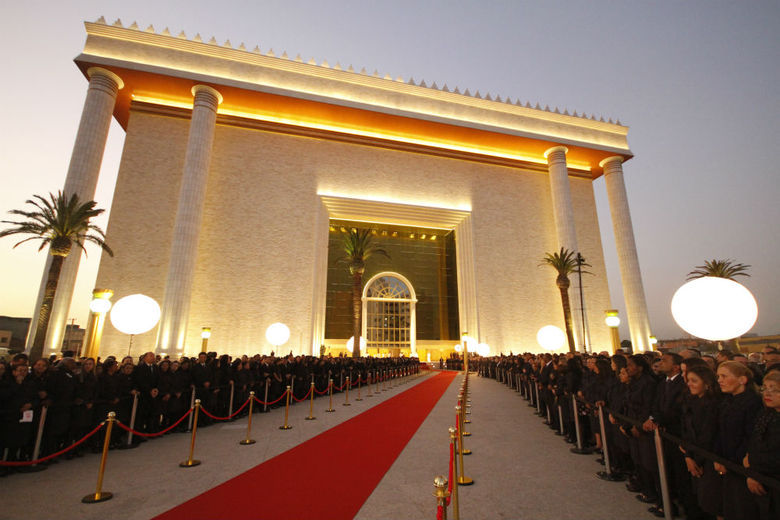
(608, 160)
(100, 72)
(205, 90)
(554, 149)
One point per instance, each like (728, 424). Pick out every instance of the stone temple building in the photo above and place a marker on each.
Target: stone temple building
(242, 169)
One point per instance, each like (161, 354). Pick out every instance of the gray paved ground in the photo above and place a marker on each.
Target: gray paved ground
(521, 470)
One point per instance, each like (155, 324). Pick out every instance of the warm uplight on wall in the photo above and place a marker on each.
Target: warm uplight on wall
(205, 334)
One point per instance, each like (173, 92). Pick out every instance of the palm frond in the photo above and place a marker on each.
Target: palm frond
(720, 269)
(564, 262)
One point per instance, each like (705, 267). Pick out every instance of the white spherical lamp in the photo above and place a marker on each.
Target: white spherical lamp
(277, 334)
(714, 308)
(551, 337)
(99, 305)
(470, 343)
(351, 344)
(483, 349)
(458, 348)
(135, 314)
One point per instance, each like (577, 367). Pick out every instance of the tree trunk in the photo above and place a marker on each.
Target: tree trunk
(563, 286)
(42, 327)
(357, 311)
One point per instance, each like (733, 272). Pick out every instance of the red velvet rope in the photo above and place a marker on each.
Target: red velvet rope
(272, 402)
(303, 398)
(53, 455)
(163, 432)
(439, 513)
(225, 418)
(323, 392)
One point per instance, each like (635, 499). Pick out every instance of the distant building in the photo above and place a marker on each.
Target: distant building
(16, 330)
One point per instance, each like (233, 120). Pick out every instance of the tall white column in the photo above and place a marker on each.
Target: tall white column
(563, 213)
(633, 291)
(82, 180)
(184, 246)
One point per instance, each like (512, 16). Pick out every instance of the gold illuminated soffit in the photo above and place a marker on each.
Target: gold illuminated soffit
(361, 132)
(391, 212)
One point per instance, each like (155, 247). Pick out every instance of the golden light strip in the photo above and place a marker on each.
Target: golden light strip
(360, 132)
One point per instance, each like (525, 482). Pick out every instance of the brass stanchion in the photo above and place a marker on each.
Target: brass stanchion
(458, 417)
(190, 462)
(464, 410)
(285, 426)
(377, 379)
(463, 431)
(248, 441)
(463, 480)
(368, 383)
(359, 381)
(441, 494)
(265, 398)
(454, 447)
(330, 396)
(346, 401)
(384, 380)
(311, 405)
(99, 495)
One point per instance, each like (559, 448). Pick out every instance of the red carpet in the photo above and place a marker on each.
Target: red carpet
(342, 466)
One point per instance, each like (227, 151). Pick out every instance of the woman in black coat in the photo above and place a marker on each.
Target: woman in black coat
(700, 427)
(739, 409)
(763, 453)
(639, 400)
(83, 412)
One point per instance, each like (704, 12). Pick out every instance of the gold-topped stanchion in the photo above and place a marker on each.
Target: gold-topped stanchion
(384, 380)
(311, 404)
(359, 380)
(346, 395)
(377, 379)
(459, 419)
(463, 409)
(248, 440)
(454, 448)
(368, 383)
(99, 495)
(441, 494)
(330, 396)
(285, 426)
(190, 462)
(463, 480)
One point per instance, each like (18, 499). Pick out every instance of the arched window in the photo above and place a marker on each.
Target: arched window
(389, 320)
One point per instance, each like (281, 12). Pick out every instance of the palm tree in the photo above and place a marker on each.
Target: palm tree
(565, 263)
(720, 269)
(58, 222)
(359, 247)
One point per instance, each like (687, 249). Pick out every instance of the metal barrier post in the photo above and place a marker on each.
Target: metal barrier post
(232, 391)
(311, 404)
(441, 494)
(659, 452)
(286, 412)
(248, 440)
(330, 396)
(132, 424)
(99, 495)
(463, 480)
(455, 448)
(578, 449)
(607, 473)
(560, 420)
(38, 439)
(265, 399)
(190, 462)
(192, 405)
(346, 401)
(359, 381)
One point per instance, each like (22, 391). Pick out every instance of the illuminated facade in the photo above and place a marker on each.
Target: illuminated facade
(237, 163)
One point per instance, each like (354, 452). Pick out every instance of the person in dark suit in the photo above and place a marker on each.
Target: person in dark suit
(739, 410)
(667, 414)
(146, 377)
(700, 427)
(763, 453)
(639, 401)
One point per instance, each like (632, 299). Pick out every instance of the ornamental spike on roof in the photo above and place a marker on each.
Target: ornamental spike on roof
(242, 48)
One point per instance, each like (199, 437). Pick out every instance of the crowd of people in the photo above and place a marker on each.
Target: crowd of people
(718, 414)
(78, 393)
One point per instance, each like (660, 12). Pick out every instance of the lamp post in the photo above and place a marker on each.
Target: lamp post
(613, 322)
(98, 307)
(135, 314)
(205, 334)
(714, 308)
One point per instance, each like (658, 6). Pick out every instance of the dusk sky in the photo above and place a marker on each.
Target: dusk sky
(697, 82)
